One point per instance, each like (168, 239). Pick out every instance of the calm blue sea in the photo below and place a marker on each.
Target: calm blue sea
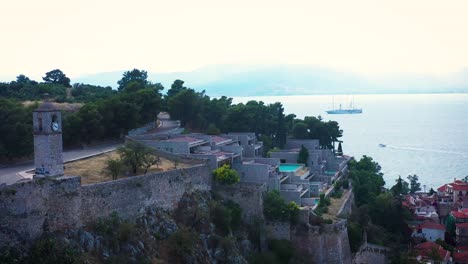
(425, 134)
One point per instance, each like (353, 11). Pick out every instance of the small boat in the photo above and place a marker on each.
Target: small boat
(382, 145)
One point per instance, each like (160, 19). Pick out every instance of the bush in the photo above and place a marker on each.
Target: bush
(354, 235)
(227, 216)
(276, 208)
(10, 256)
(47, 250)
(293, 210)
(345, 184)
(226, 175)
(337, 194)
(283, 249)
(183, 242)
(338, 185)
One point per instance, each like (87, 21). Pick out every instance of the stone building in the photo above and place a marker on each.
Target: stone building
(47, 129)
(323, 164)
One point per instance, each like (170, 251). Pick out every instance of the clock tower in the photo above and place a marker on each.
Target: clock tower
(47, 129)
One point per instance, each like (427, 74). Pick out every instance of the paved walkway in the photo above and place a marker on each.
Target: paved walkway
(10, 174)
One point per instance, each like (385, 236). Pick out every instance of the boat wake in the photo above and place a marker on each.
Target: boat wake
(427, 150)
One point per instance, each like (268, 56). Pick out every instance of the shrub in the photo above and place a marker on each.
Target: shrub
(47, 250)
(345, 184)
(337, 194)
(183, 242)
(213, 130)
(283, 249)
(293, 210)
(226, 175)
(338, 185)
(276, 208)
(106, 226)
(236, 214)
(10, 255)
(227, 216)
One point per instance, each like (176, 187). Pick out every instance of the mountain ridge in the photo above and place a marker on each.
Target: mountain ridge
(238, 80)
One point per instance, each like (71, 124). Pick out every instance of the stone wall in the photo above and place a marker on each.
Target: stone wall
(278, 230)
(33, 207)
(249, 196)
(347, 205)
(325, 244)
(256, 172)
(141, 130)
(370, 253)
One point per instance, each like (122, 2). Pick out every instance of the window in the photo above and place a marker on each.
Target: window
(39, 122)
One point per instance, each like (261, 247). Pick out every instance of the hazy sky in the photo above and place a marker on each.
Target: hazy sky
(370, 37)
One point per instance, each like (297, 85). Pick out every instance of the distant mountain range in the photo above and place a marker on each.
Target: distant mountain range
(283, 79)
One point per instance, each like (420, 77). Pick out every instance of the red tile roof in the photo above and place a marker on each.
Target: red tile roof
(460, 257)
(462, 248)
(460, 214)
(432, 225)
(442, 188)
(460, 187)
(461, 225)
(425, 249)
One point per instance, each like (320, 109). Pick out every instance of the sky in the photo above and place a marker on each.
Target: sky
(369, 37)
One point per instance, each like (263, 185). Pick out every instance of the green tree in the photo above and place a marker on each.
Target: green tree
(303, 155)
(57, 77)
(176, 87)
(276, 208)
(299, 130)
(16, 129)
(148, 161)
(400, 188)
(114, 166)
(134, 155)
(431, 191)
(212, 130)
(367, 179)
(185, 106)
(138, 77)
(226, 175)
(340, 150)
(415, 186)
(91, 123)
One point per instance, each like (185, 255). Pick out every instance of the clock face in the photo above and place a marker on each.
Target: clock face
(55, 126)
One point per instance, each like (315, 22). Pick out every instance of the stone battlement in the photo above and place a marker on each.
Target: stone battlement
(30, 208)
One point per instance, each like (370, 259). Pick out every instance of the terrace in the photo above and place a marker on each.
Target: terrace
(220, 141)
(190, 140)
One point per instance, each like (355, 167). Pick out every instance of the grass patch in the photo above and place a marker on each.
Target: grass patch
(93, 169)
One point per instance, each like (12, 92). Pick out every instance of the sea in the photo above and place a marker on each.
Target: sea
(423, 134)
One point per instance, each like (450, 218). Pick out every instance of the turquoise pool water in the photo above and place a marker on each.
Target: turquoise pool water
(289, 167)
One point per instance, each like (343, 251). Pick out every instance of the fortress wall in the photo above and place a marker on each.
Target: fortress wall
(249, 196)
(30, 208)
(346, 207)
(325, 244)
(130, 196)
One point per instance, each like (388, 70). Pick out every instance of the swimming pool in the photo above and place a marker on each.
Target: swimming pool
(289, 167)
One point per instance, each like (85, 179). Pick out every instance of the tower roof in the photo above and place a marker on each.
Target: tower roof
(46, 106)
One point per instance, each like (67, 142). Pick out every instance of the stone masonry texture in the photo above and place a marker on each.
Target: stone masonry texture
(30, 208)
